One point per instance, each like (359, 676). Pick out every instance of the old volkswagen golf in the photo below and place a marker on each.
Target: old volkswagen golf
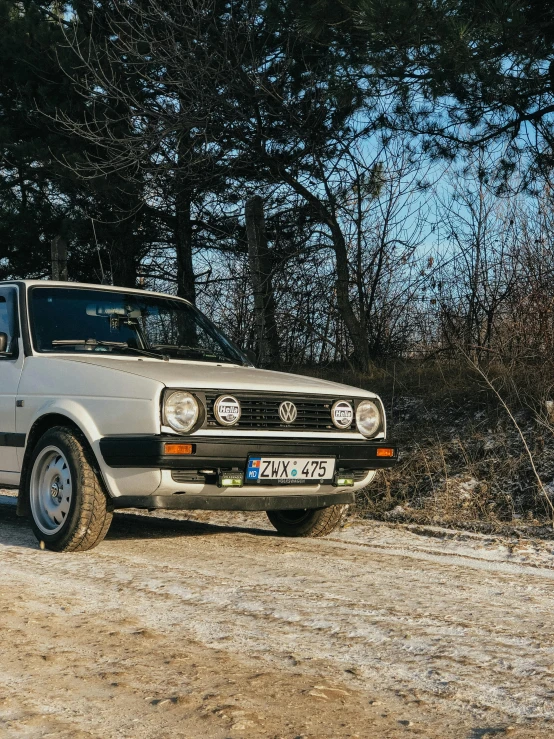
(115, 398)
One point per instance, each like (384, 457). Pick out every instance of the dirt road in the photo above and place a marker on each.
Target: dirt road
(217, 628)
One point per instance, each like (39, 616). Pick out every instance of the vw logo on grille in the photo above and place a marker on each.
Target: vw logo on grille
(287, 412)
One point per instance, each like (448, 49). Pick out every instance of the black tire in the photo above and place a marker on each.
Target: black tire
(70, 510)
(310, 522)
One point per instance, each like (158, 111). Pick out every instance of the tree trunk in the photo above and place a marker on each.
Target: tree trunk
(125, 260)
(186, 287)
(354, 326)
(59, 258)
(183, 247)
(260, 268)
(126, 271)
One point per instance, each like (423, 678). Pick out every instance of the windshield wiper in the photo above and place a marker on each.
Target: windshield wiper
(181, 349)
(147, 353)
(93, 343)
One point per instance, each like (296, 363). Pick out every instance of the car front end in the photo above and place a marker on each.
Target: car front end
(238, 449)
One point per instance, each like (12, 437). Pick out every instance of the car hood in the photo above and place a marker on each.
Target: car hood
(202, 375)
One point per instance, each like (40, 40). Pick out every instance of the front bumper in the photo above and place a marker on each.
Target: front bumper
(140, 451)
(233, 502)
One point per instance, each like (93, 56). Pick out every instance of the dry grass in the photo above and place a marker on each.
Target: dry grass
(462, 457)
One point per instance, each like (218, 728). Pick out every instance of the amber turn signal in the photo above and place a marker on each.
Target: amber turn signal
(178, 449)
(383, 451)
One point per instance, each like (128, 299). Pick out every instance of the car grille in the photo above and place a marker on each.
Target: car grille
(261, 411)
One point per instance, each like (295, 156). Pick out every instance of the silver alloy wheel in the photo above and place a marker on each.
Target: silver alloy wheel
(51, 490)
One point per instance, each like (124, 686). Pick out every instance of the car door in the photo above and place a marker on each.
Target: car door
(11, 364)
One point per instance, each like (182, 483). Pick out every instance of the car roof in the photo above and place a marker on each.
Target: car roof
(87, 285)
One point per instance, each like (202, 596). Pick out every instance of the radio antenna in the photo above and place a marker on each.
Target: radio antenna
(98, 251)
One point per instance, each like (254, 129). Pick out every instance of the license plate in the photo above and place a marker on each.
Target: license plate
(290, 470)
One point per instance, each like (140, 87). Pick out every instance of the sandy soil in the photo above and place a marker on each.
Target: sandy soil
(211, 626)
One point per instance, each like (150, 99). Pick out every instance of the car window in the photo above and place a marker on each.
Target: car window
(8, 317)
(4, 320)
(76, 320)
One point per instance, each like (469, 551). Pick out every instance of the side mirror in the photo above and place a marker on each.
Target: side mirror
(3, 343)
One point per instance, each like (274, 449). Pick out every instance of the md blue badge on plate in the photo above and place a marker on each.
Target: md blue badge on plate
(253, 470)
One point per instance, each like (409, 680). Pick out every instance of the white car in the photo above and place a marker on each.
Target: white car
(116, 398)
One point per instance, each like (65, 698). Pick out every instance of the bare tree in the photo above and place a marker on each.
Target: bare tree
(475, 289)
(261, 272)
(146, 72)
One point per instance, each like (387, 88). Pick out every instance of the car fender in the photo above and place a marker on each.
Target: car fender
(117, 482)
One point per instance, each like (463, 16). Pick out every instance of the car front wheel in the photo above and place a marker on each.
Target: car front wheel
(70, 511)
(309, 522)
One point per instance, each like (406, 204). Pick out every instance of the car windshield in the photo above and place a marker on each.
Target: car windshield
(77, 320)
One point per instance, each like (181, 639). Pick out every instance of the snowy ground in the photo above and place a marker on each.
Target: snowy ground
(211, 626)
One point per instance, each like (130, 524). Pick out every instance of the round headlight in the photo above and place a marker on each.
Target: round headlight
(227, 410)
(342, 414)
(181, 411)
(368, 418)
